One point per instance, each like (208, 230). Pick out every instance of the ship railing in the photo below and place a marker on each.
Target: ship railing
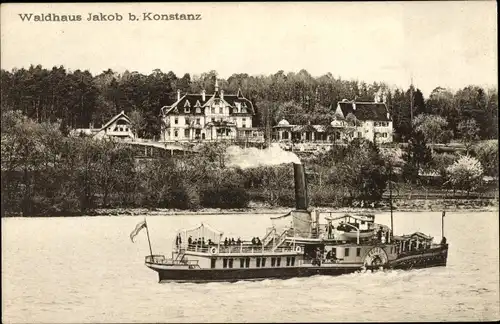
(253, 250)
(160, 259)
(433, 248)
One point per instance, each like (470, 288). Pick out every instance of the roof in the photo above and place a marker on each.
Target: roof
(193, 100)
(112, 120)
(409, 236)
(303, 128)
(365, 110)
(283, 122)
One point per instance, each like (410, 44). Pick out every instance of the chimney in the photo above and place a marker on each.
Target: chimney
(203, 92)
(216, 85)
(301, 202)
(222, 94)
(178, 94)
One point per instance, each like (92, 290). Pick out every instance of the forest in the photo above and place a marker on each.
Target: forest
(79, 99)
(46, 172)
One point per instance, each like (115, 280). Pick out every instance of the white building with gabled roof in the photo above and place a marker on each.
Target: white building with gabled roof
(201, 116)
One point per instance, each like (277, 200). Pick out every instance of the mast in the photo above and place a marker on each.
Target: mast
(149, 241)
(390, 198)
(411, 102)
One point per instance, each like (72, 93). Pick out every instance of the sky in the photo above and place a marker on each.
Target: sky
(447, 44)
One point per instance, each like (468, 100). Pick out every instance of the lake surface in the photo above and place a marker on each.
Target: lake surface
(86, 269)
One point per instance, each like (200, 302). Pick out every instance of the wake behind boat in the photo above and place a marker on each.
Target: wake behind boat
(297, 245)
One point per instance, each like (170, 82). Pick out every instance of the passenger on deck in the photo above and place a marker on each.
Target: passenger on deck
(232, 241)
(239, 241)
(210, 242)
(257, 241)
(253, 241)
(226, 242)
(190, 240)
(443, 240)
(203, 242)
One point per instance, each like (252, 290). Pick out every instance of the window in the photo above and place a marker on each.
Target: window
(186, 133)
(293, 261)
(213, 261)
(187, 110)
(176, 133)
(359, 134)
(247, 262)
(242, 263)
(176, 120)
(244, 110)
(221, 110)
(287, 261)
(346, 252)
(278, 262)
(263, 262)
(213, 110)
(358, 252)
(224, 263)
(235, 111)
(257, 262)
(230, 263)
(273, 262)
(197, 121)
(244, 121)
(198, 110)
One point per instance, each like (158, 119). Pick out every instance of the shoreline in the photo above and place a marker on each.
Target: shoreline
(414, 205)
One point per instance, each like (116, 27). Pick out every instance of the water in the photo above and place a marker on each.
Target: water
(86, 269)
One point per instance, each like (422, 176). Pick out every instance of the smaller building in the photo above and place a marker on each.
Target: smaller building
(118, 127)
(372, 120)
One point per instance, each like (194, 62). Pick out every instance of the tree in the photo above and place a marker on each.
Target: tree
(468, 130)
(487, 153)
(136, 122)
(416, 156)
(432, 127)
(360, 169)
(465, 174)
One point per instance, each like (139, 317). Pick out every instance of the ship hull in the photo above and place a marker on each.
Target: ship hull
(233, 275)
(416, 260)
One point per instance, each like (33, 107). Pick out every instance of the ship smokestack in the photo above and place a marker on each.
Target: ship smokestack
(301, 201)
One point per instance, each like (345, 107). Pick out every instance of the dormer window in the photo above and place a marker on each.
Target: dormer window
(221, 110)
(244, 110)
(213, 110)
(235, 110)
(187, 107)
(198, 110)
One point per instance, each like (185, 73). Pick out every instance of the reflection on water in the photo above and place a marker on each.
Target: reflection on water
(86, 269)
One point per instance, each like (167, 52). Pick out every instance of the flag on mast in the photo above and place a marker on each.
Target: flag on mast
(137, 229)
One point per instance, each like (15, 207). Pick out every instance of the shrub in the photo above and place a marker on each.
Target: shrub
(465, 174)
(225, 196)
(487, 153)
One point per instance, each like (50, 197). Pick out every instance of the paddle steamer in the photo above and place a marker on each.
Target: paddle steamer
(297, 245)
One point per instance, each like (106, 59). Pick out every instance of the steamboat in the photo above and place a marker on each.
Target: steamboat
(297, 245)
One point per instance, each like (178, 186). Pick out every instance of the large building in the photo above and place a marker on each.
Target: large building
(204, 117)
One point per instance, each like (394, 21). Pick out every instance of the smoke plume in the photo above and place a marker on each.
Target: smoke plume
(253, 157)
